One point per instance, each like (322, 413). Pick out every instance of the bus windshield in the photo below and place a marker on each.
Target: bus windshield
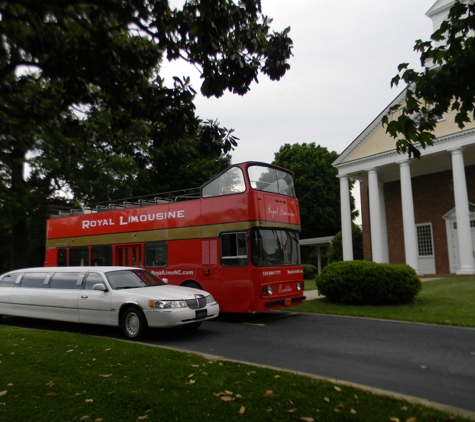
(274, 247)
(269, 179)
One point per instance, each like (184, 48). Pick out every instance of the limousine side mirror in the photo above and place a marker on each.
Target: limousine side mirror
(100, 286)
(165, 280)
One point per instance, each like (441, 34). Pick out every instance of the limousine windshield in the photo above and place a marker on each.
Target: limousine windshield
(132, 279)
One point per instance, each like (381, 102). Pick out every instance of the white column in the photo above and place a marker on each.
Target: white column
(408, 219)
(462, 213)
(384, 226)
(345, 208)
(375, 216)
(319, 260)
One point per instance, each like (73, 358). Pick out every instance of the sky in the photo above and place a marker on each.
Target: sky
(345, 54)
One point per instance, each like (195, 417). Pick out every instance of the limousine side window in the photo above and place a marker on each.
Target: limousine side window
(66, 281)
(10, 279)
(35, 280)
(93, 278)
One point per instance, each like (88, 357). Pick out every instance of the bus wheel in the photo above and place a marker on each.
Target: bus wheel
(134, 323)
(192, 326)
(193, 284)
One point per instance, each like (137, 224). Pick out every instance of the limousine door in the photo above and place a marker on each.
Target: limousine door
(94, 305)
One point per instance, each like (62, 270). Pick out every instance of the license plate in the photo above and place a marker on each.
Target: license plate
(203, 313)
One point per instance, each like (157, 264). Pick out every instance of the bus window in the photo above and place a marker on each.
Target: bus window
(62, 257)
(101, 255)
(79, 256)
(234, 249)
(268, 179)
(156, 255)
(272, 247)
(228, 183)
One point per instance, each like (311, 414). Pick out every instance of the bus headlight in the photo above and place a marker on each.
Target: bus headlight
(270, 290)
(166, 304)
(299, 287)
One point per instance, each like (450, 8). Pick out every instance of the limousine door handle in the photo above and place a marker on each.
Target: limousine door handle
(84, 296)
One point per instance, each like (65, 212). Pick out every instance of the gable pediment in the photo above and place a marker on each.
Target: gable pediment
(374, 140)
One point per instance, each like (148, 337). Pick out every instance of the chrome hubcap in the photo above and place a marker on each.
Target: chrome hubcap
(133, 324)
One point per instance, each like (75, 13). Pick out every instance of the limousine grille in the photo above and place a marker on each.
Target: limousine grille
(197, 302)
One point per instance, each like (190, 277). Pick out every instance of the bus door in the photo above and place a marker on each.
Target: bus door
(235, 273)
(129, 255)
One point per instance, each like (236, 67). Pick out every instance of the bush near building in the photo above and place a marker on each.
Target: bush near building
(368, 283)
(309, 271)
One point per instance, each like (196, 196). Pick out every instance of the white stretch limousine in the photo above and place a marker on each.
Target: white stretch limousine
(131, 298)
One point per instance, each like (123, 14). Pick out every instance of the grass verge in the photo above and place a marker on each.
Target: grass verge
(58, 376)
(447, 301)
(310, 285)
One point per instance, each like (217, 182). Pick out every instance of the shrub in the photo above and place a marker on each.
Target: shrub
(309, 271)
(363, 282)
(335, 251)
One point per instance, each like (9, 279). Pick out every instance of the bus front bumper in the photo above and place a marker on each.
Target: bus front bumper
(285, 302)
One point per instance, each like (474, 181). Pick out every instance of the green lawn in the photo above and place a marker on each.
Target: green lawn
(310, 285)
(447, 301)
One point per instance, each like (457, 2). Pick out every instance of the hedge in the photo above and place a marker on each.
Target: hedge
(309, 271)
(369, 283)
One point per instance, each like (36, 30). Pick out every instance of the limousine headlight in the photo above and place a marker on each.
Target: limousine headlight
(210, 299)
(166, 304)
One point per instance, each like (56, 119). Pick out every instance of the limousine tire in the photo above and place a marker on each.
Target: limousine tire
(134, 323)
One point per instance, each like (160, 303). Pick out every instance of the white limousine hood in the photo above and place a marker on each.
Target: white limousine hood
(166, 292)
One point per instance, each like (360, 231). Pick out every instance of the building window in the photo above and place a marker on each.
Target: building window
(425, 242)
(472, 224)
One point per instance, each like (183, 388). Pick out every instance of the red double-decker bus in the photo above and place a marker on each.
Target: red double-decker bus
(236, 236)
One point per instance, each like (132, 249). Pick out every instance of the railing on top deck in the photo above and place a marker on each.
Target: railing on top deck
(126, 203)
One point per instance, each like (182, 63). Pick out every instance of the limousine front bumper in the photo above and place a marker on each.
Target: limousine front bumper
(179, 316)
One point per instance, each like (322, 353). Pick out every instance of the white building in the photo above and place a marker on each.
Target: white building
(419, 212)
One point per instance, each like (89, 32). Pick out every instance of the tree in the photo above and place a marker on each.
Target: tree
(446, 82)
(335, 251)
(64, 64)
(316, 185)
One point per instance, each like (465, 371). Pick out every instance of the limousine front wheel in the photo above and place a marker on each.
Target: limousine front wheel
(134, 323)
